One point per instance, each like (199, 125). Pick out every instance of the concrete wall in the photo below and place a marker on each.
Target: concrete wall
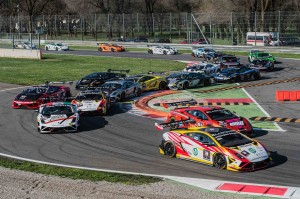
(21, 53)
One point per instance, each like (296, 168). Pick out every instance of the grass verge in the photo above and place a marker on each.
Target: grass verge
(68, 67)
(76, 173)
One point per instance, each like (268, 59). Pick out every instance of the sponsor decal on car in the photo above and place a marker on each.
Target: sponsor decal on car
(252, 150)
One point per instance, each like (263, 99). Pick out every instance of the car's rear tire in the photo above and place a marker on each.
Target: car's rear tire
(237, 79)
(150, 51)
(162, 85)
(56, 49)
(165, 52)
(173, 126)
(206, 82)
(219, 161)
(112, 50)
(100, 49)
(47, 48)
(169, 149)
(185, 85)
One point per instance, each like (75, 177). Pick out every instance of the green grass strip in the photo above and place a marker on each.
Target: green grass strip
(76, 173)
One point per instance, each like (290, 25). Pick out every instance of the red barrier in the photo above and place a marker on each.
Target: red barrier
(288, 95)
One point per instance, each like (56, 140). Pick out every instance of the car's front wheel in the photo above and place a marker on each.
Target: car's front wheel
(47, 48)
(219, 161)
(162, 86)
(150, 51)
(169, 149)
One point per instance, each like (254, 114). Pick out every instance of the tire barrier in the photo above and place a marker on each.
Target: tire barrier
(275, 119)
(284, 95)
(250, 85)
(142, 103)
(215, 104)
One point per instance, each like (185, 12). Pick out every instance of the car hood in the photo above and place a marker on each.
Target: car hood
(254, 152)
(24, 97)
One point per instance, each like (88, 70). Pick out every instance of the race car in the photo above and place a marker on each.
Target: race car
(34, 96)
(264, 65)
(260, 55)
(228, 61)
(216, 146)
(92, 102)
(25, 45)
(237, 74)
(96, 79)
(121, 90)
(208, 69)
(57, 116)
(184, 80)
(201, 52)
(209, 116)
(105, 47)
(56, 46)
(149, 82)
(162, 50)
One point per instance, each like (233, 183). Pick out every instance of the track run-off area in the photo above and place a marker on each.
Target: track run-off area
(127, 142)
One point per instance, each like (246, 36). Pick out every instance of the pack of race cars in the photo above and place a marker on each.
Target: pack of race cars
(206, 134)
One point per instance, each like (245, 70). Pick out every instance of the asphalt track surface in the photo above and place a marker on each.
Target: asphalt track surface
(125, 142)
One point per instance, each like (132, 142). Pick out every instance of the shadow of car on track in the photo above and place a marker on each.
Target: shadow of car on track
(92, 123)
(260, 133)
(277, 159)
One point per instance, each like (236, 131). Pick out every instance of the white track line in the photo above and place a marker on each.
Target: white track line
(262, 109)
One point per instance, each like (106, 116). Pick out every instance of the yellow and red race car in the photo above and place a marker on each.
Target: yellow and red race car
(150, 82)
(216, 146)
(105, 47)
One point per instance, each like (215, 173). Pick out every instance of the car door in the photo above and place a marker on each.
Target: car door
(193, 80)
(199, 147)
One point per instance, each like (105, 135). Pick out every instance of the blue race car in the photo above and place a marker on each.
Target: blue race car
(237, 74)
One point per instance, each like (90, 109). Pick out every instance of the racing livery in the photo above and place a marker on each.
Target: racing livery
(34, 96)
(57, 47)
(150, 82)
(204, 67)
(96, 79)
(57, 116)
(237, 74)
(216, 146)
(105, 47)
(201, 52)
(162, 50)
(260, 55)
(264, 65)
(25, 45)
(184, 80)
(120, 90)
(209, 116)
(227, 61)
(92, 101)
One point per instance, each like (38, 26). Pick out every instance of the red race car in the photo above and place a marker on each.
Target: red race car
(34, 96)
(213, 116)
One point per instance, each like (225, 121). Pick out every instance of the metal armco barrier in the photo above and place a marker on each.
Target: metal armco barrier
(285, 95)
(276, 119)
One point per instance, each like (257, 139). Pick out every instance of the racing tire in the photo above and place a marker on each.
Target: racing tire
(206, 82)
(46, 48)
(100, 49)
(112, 50)
(219, 161)
(122, 97)
(256, 77)
(56, 49)
(169, 149)
(150, 51)
(237, 79)
(271, 68)
(162, 86)
(173, 126)
(165, 52)
(185, 86)
(193, 55)
(139, 92)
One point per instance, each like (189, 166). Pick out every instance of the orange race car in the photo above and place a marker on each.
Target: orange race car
(105, 47)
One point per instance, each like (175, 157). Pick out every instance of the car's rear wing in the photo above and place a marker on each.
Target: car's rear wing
(121, 71)
(179, 123)
(61, 82)
(180, 103)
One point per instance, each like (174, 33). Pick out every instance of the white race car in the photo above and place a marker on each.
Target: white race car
(57, 47)
(162, 50)
(57, 116)
(25, 45)
(92, 101)
(208, 69)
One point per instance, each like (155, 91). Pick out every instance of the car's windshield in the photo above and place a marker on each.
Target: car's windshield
(89, 96)
(220, 114)
(34, 90)
(207, 50)
(59, 44)
(112, 85)
(57, 110)
(175, 75)
(229, 71)
(230, 59)
(227, 137)
(263, 54)
(197, 66)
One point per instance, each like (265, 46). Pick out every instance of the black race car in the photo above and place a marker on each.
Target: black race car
(98, 78)
(237, 74)
(227, 61)
(184, 80)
